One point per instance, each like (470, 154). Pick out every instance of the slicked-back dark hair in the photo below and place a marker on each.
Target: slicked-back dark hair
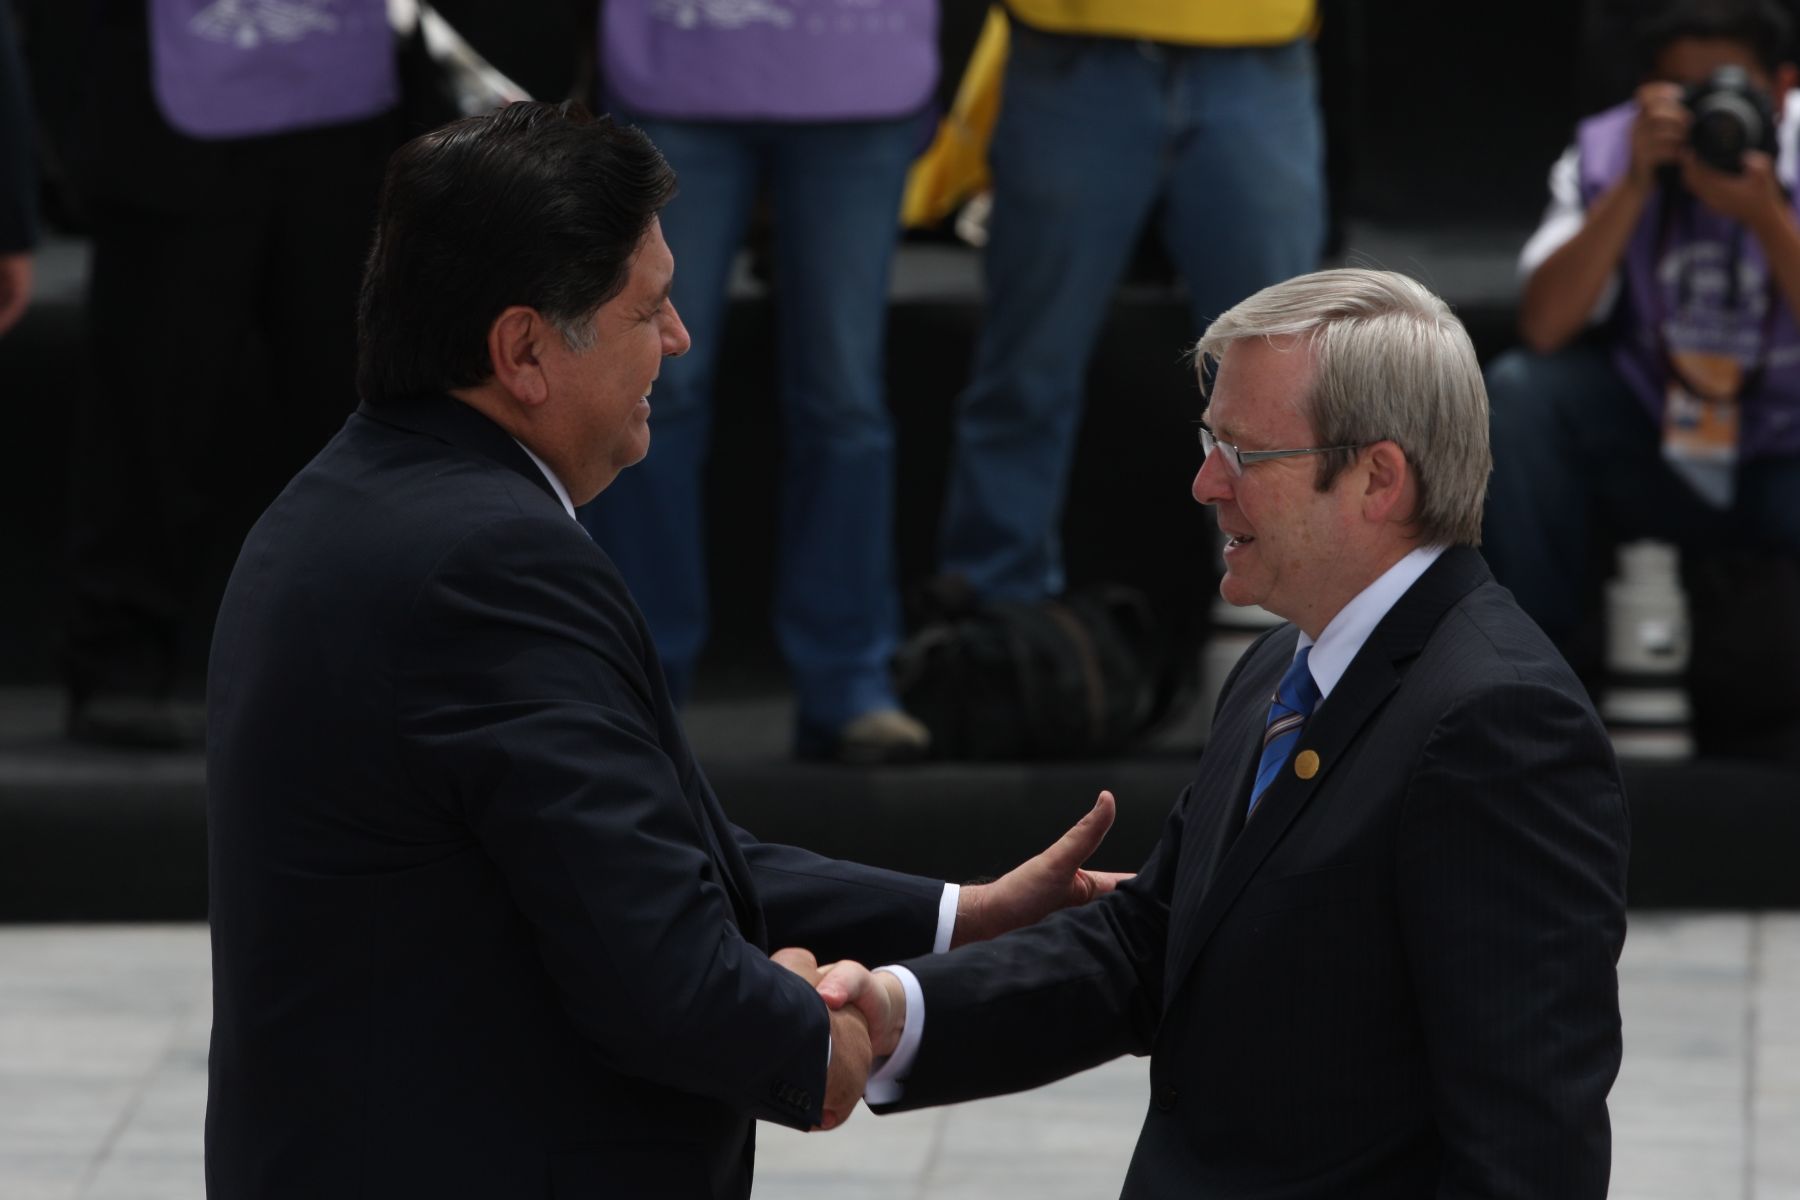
(1763, 27)
(537, 204)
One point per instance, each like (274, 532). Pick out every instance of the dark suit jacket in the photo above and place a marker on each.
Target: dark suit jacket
(1398, 980)
(480, 928)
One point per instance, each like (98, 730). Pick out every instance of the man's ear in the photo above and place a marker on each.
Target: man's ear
(515, 344)
(1390, 492)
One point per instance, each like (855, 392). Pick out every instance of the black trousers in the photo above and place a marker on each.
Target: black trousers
(221, 315)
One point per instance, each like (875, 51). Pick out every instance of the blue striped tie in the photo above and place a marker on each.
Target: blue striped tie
(1293, 703)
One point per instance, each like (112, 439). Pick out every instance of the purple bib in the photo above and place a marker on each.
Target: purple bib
(244, 68)
(777, 60)
(1677, 293)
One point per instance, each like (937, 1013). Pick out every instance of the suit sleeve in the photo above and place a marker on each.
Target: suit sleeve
(525, 709)
(839, 909)
(1079, 988)
(1511, 875)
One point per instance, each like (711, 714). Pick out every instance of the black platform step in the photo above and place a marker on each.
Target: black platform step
(89, 835)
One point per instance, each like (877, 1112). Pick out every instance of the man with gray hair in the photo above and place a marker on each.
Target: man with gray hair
(1374, 953)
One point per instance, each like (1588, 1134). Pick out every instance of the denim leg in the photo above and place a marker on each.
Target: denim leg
(1078, 159)
(1769, 503)
(651, 519)
(1245, 206)
(1573, 445)
(836, 202)
(1569, 440)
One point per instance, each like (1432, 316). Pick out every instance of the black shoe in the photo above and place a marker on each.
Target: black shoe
(137, 723)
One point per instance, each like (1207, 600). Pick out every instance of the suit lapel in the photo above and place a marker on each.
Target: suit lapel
(1223, 867)
(1216, 800)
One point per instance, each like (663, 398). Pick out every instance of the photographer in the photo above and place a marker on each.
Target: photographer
(1660, 392)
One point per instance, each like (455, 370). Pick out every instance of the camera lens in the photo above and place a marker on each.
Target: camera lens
(1725, 125)
(1720, 140)
(1729, 117)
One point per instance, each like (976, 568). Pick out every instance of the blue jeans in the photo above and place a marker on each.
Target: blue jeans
(1092, 134)
(1575, 450)
(836, 196)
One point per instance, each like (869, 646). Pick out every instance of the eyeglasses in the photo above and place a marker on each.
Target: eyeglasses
(1237, 459)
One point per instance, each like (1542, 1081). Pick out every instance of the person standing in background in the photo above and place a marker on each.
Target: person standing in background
(817, 104)
(1110, 109)
(233, 158)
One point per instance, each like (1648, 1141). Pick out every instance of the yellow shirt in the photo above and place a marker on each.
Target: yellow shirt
(1190, 22)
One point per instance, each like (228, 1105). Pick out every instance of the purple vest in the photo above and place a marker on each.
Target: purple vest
(244, 68)
(775, 60)
(1676, 278)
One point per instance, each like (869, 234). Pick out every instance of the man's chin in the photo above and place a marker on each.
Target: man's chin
(1237, 593)
(634, 454)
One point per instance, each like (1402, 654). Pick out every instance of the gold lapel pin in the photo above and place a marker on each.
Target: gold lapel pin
(1306, 764)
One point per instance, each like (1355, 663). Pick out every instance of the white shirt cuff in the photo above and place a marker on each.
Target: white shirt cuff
(886, 1083)
(946, 925)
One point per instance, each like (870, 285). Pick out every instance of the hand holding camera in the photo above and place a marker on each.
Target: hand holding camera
(1729, 161)
(1715, 140)
(1660, 133)
(1730, 118)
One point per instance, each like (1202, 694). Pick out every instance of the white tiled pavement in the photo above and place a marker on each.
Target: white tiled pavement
(103, 1082)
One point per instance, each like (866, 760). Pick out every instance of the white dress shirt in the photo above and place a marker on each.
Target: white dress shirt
(556, 485)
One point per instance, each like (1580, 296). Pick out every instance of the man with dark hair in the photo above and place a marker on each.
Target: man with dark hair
(480, 926)
(1658, 394)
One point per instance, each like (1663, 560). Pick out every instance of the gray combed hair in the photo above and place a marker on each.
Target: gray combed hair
(1391, 363)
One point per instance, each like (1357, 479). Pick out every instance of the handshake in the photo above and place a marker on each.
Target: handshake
(868, 1009)
(868, 1014)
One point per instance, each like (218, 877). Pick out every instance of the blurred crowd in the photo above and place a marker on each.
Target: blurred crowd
(228, 195)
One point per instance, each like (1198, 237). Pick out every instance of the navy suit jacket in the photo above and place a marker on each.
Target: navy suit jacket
(1397, 979)
(480, 927)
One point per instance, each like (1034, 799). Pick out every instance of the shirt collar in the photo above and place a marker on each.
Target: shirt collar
(1345, 634)
(556, 485)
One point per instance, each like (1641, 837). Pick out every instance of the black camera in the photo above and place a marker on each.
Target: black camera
(1730, 117)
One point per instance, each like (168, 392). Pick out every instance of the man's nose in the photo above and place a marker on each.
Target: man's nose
(1212, 483)
(675, 335)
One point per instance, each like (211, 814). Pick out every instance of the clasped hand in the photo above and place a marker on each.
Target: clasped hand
(868, 1008)
(853, 1041)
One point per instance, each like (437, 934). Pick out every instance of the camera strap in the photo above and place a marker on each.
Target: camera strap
(1701, 410)
(1715, 385)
